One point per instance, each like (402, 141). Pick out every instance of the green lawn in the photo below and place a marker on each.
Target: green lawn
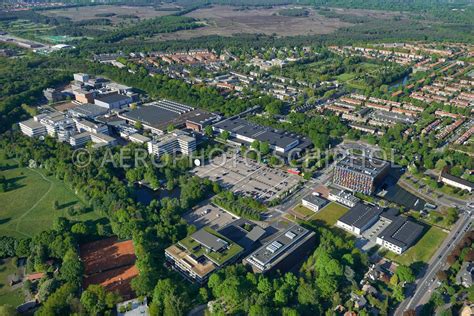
(7, 295)
(28, 206)
(423, 250)
(330, 213)
(303, 211)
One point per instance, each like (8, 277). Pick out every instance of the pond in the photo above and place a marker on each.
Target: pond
(401, 82)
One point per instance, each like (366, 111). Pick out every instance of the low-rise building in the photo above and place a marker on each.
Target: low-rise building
(343, 197)
(465, 276)
(32, 128)
(314, 202)
(456, 182)
(202, 253)
(283, 251)
(112, 100)
(359, 218)
(399, 235)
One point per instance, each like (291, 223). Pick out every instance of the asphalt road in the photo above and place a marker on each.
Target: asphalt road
(424, 286)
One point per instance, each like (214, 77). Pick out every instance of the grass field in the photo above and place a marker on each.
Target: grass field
(7, 295)
(423, 250)
(304, 212)
(330, 213)
(28, 206)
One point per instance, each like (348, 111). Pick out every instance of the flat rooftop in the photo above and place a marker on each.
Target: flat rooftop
(163, 113)
(209, 243)
(111, 97)
(261, 133)
(315, 199)
(89, 110)
(402, 232)
(366, 165)
(360, 215)
(278, 245)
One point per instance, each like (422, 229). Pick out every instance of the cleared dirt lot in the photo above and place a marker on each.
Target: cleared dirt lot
(90, 12)
(228, 20)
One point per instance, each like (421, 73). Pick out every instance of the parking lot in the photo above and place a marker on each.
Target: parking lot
(244, 176)
(209, 215)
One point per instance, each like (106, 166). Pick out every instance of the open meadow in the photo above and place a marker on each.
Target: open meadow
(28, 206)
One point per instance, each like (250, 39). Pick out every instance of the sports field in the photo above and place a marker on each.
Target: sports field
(27, 207)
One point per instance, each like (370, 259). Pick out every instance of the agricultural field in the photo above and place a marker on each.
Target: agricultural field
(228, 20)
(115, 13)
(28, 206)
(423, 250)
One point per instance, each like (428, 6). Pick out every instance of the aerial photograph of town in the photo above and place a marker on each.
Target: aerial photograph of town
(245, 157)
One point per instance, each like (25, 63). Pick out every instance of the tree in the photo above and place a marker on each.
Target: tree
(56, 204)
(138, 125)
(96, 300)
(8, 310)
(208, 131)
(441, 275)
(46, 289)
(225, 135)
(405, 274)
(71, 269)
(264, 148)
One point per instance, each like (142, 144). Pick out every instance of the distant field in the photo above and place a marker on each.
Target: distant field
(228, 20)
(28, 208)
(91, 12)
(423, 250)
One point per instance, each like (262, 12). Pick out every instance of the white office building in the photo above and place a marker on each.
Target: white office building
(177, 141)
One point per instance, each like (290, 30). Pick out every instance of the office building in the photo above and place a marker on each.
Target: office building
(283, 251)
(83, 125)
(199, 121)
(246, 133)
(399, 235)
(81, 77)
(360, 173)
(202, 253)
(98, 139)
(314, 202)
(32, 128)
(343, 197)
(359, 218)
(53, 95)
(177, 141)
(87, 110)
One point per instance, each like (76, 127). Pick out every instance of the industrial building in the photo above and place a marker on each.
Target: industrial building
(359, 218)
(246, 133)
(399, 235)
(158, 116)
(360, 173)
(283, 251)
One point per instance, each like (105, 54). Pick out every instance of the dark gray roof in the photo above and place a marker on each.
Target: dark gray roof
(360, 215)
(89, 110)
(237, 233)
(261, 133)
(151, 115)
(280, 244)
(401, 232)
(446, 175)
(315, 199)
(112, 97)
(208, 240)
